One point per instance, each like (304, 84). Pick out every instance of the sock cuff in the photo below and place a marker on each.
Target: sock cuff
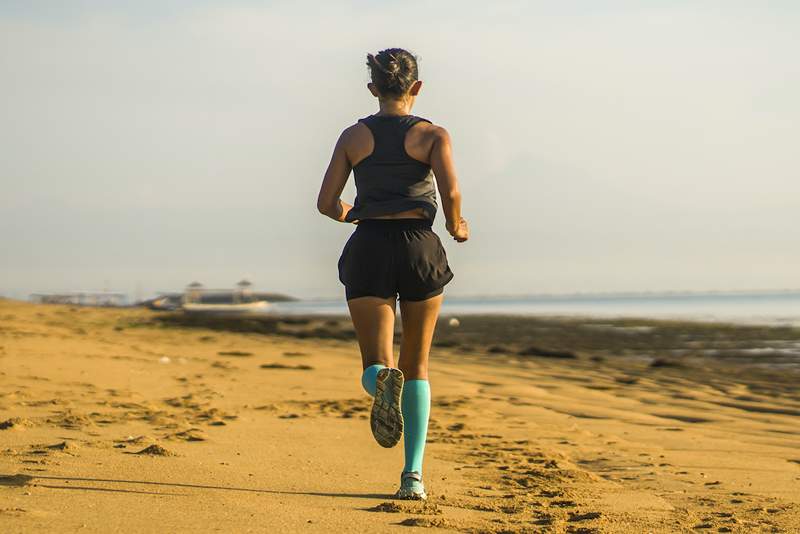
(369, 377)
(416, 382)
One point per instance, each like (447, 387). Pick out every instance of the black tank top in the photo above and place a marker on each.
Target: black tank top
(389, 180)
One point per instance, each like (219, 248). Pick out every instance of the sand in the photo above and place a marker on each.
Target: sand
(123, 420)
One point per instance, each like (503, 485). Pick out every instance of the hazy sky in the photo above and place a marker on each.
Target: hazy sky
(601, 146)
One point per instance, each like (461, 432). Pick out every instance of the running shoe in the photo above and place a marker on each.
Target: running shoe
(411, 487)
(386, 419)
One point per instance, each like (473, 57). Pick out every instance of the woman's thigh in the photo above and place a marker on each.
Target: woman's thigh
(419, 322)
(373, 318)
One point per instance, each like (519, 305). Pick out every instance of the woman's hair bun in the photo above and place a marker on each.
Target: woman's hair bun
(393, 67)
(393, 71)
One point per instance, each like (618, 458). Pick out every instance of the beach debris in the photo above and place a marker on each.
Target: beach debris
(234, 353)
(155, 450)
(626, 380)
(17, 423)
(135, 439)
(164, 359)
(454, 322)
(664, 362)
(63, 446)
(192, 434)
(547, 353)
(15, 480)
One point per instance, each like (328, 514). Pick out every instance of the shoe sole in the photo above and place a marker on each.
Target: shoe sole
(386, 419)
(410, 495)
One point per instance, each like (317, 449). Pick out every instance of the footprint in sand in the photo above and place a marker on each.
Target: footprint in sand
(588, 516)
(131, 440)
(70, 421)
(684, 418)
(420, 508)
(390, 507)
(428, 522)
(12, 511)
(300, 367)
(192, 434)
(240, 353)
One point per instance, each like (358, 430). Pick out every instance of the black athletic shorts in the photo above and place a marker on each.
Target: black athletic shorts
(390, 257)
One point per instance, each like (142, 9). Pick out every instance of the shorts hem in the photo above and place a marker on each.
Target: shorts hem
(425, 296)
(350, 294)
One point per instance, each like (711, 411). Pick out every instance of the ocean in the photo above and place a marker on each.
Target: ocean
(774, 308)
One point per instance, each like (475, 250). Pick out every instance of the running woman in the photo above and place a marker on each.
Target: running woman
(394, 253)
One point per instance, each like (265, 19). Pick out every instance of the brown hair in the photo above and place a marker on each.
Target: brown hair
(393, 71)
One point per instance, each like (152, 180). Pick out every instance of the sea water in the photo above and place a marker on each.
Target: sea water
(775, 308)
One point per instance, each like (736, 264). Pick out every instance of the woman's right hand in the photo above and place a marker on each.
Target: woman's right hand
(461, 232)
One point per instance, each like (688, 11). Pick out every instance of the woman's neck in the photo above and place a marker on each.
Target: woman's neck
(395, 107)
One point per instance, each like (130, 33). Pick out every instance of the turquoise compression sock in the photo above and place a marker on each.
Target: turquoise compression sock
(369, 378)
(416, 407)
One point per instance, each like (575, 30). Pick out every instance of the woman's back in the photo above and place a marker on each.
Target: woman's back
(389, 179)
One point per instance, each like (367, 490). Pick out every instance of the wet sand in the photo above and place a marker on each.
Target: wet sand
(126, 420)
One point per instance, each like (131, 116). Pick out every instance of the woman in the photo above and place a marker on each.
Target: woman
(393, 251)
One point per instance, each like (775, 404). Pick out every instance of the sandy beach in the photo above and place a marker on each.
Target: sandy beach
(126, 420)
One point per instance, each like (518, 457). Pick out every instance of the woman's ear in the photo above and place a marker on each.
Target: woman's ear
(415, 88)
(373, 90)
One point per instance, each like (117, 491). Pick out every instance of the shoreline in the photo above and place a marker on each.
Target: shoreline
(780, 309)
(676, 342)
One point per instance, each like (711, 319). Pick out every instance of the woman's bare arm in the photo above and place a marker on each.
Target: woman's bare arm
(328, 201)
(445, 172)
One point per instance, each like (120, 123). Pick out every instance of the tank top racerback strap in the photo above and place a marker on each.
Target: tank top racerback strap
(389, 134)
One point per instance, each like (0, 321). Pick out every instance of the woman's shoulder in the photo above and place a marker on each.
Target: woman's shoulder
(431, 130)
(354, 132)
